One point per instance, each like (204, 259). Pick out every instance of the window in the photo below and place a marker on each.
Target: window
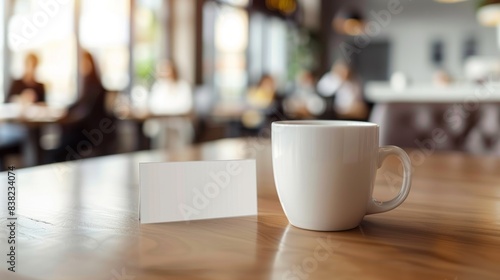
(225, 54)
(150, 39)
(105, 32)
(45, 28)
(48, 29)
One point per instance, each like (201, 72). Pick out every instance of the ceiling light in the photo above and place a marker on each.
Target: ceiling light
(489, 15)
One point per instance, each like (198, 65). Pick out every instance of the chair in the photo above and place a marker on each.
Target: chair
(11, 142)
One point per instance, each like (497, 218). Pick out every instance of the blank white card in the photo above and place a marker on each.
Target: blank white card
(183, 191)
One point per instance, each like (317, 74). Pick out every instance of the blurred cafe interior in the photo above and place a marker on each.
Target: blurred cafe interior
(88, 78)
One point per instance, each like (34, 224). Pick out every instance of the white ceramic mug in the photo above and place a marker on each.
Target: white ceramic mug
(325, 171)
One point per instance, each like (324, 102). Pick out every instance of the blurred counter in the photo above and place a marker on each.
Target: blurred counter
(382, 92)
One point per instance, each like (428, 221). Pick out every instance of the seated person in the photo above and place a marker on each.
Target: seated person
(304, 102)
(262, 96)
(342, 84)
(85, 115)
(27, 89)
(170, 96)
(264, 103)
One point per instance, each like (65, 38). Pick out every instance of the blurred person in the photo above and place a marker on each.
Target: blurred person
(304, 102)
(263, 94)
(27, 90)
(170, 96)
(83, 123)
(341, 84)
(265, 104)
(260, 98)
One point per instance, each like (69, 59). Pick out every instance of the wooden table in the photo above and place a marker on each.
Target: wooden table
(79, 220)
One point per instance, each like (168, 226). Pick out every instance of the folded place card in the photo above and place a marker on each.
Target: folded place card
(183, 191)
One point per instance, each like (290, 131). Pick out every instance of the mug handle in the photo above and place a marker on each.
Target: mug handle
(375, 206)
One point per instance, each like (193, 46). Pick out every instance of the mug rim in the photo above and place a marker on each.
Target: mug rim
(325, 123)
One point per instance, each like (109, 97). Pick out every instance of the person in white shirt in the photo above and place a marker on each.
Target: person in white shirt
(170, 97)
(340, 81)
(304, 103)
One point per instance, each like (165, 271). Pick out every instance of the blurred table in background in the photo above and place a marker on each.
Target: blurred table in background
(228, 112)
(384, 92)
(79, 220)
(32, 118)
(31, 115)
(139, 118)
(230, 115)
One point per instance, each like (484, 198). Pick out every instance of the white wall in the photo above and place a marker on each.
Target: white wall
(421, 22)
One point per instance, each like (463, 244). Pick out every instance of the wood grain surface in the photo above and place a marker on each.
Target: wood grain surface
(79, 220)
